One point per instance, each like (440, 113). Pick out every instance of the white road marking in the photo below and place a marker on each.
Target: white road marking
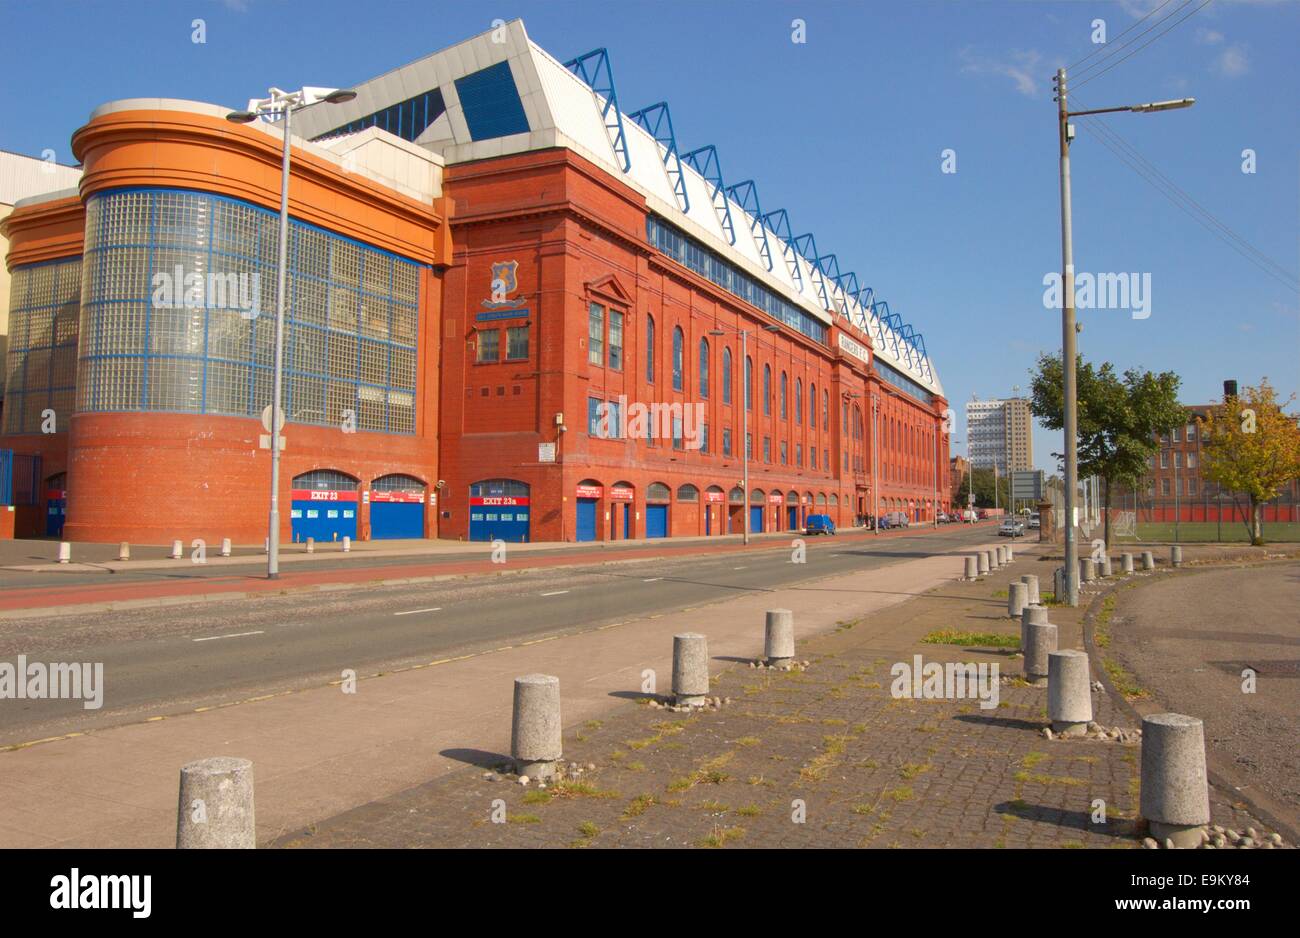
(653, 579)
(555, 593)
(738, 568)
(411, 612)
(213, 638)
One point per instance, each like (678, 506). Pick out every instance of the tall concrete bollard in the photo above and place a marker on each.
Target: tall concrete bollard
(225, 547)
(1069, 692)
(972, 568)
(311, 545)
(1011, 553)
(982, 558)
(691, 669)
(347, 543)
(1126, 563)
(535, 743)
(1002, 556)
(1176, 556)
(1040, 641)
(778, 641)
(1017, 599)
(1106, 569)
(1175, 796)
(1148, 560)
(1087, 571)
(993, 559)
(215, 809)
(65, 552)
(1031, 585)
(124, 551)
(178, 550)
(1031, 615)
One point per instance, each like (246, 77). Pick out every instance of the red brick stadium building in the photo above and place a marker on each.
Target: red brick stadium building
(494, 270)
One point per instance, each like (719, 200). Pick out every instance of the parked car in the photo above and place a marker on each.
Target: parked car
(1011, 527)
(1033, 522)
(818, 524)
(895, 519)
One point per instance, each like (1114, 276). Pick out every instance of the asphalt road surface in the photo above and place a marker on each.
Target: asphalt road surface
(169, 660)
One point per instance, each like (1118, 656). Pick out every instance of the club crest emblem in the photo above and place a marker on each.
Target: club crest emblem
(503, 284)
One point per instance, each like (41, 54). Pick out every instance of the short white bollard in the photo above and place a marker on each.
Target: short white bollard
(1031, 583)
(1011, 553)
(1126, 563)
(972, 569)
(225, 547)
(1106, 569)
(535, 743)
(266, 545)
(1001, 556)
(778, 640)
(1148, 560)
(1058, 584)
(1069, 692)
(124, 551)
(1017, 599)
(178, 550)
(690, 669)
(215, 809)
(1176, 556)
(1175, 797)
(347, 543)
(65, 552)
(311, 545)
(1087, 571)
(982, 558)
(1040, 641)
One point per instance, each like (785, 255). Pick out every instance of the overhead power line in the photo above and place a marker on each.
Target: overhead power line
(1107, 47)
(1107, 65)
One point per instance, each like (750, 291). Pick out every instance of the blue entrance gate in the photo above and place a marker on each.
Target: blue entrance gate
(656, 520)
(396, 508)
(793, 512)
(756, 519)
(586, 530)
(323, 506)
(499, 511)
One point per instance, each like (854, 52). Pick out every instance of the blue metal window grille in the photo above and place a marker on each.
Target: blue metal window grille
(350, 327)
(494, 488)
(491, 103)
(691, 254)
(325, 480)
(397, 483)
(407, 119)
(42, 358)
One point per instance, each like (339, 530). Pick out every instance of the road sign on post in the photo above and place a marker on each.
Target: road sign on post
(1027, 485)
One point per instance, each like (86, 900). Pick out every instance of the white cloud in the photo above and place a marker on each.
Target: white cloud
(1233, 61)
(1208, 37)
(1020, 67)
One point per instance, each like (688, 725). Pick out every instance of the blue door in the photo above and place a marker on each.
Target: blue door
(499, 511)
(656, 520)
(391, 520)
(55, 511)
(627, 520)
(756, 519)
(793, 512)
(586, 519)
(708, 520)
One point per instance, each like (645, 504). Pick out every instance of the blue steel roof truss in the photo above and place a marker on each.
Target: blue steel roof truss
(778, 222)
(594, 69)
(745, 194)
(704, 161)
(659, 124)
(848, 284)
(806, 245)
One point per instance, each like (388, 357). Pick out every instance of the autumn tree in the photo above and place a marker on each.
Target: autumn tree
(1251, 445)
(1119, 418)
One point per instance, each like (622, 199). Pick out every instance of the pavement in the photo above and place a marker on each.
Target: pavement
(825, 757)
(319, 751)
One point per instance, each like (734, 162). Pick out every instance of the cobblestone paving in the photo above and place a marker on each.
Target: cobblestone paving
(820, 758)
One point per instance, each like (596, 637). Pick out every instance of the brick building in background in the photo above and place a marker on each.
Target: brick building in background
(570, 262)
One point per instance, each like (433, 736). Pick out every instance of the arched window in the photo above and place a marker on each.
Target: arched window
(736, 496)
(397, 483)
(726, 376)
(703, 377)
(489, 488)
(757, 497)
(650, 349)
(325, 480)
(688, 493)
(826, 410)
(749, 383)
(798, 400)
(785, 389)
(678, 380)
(657, 492)
(767, 390)
(812, 405)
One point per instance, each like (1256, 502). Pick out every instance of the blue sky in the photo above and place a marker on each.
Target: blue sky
(846, 132)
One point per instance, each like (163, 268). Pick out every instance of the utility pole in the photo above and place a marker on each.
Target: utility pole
(1069, 350)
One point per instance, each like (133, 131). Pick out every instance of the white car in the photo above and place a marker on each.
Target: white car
(1010, 527)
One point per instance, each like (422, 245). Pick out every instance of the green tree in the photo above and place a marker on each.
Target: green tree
(981, 480)
(1252, 445)
(1119, 418)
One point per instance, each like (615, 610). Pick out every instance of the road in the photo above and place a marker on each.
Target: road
(161, 661)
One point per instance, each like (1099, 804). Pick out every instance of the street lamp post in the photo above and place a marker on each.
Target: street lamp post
(283, 103)
(747, 381)
(1069, 346)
